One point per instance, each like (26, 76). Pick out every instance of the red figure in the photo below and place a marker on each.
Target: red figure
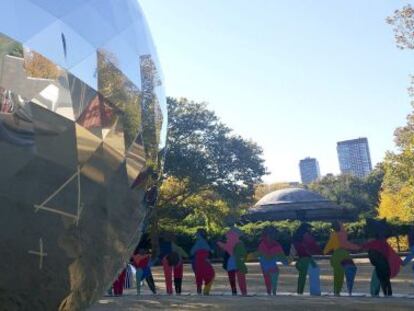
(203, 270)
(118, 285)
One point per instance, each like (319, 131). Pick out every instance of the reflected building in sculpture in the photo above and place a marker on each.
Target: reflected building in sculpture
(82, 116)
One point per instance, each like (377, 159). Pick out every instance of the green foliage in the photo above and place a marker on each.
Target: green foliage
(357, 233)
(204, 151)
(397, 197)
(201, 209)
(10, 47)
(402, 22)
(210, 173)
(360, 195)
(131, 119)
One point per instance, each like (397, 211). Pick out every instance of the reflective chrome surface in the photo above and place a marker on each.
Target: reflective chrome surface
(82, 115)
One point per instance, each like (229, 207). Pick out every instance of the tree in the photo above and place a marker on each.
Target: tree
(397, 197)
(210, 173)
(403, 25)
(204, 150)
(38, 66)
(122, 94)
(402, 22)
(10, 47)
(204, 208)
(358, 194)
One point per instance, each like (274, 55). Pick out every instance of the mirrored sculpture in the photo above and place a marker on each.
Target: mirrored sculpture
(82, 117)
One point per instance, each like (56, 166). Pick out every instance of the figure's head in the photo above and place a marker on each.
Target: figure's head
(378, 229)
(234, 234)
(168, 237)
(301, 231)
(269, 233)
(336, 226)
(142, 251)
(201, 233)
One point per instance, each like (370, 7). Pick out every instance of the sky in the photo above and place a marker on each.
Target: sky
(295, 76)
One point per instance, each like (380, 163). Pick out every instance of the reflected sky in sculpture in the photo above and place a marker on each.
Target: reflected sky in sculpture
(82, 115)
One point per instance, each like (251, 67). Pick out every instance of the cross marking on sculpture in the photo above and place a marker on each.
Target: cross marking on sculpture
(39, 253)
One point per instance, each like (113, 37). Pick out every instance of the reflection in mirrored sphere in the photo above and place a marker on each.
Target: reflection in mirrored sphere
(82, 119)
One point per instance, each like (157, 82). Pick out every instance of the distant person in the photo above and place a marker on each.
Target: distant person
(142, 263)
(385, 260)
(203, 270)
(236, 250)
(171, 257)
(304, 247)
(410, 256)
(270, 252)
(341, 261)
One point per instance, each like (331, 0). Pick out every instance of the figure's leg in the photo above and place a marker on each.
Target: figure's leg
(384, 279)
(116, 288)
(314, 280)
(208, 282)
(350, 273)
(151, 283)
(178, 277)
(139, 273)
(339, 275)
(241, 279)
(382, 269)
(209, 275)
(232, 280)
(199, 280)
(375, 284)
(168, 276)
(268, 282)
(303, 271)
(274, 277)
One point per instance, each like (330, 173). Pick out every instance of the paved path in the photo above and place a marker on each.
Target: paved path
(257, 300)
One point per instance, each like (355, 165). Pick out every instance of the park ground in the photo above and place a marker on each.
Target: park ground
(257, 300)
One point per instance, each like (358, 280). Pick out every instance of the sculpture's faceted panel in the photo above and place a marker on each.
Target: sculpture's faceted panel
(82, 115)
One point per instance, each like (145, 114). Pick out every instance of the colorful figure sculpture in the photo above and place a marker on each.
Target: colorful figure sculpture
(385, 260)
(270, 252)
(171, 256)
(142, 264)
(203, 270)
(230, 273)
(410, 256)
(118, 284)
(341, 262)
(304, 246)
(236, 250)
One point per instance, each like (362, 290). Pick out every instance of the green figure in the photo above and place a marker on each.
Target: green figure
(341, 261)
(304, 246)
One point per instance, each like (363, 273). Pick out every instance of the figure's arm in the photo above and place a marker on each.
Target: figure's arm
(330, 245)
(345, 243)
(222, 245)
(240, 251)
(281, 257)
(408, 259)
(179, 250)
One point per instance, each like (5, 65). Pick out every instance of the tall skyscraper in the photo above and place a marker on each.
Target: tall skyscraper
(309, 170)
(354, 157)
